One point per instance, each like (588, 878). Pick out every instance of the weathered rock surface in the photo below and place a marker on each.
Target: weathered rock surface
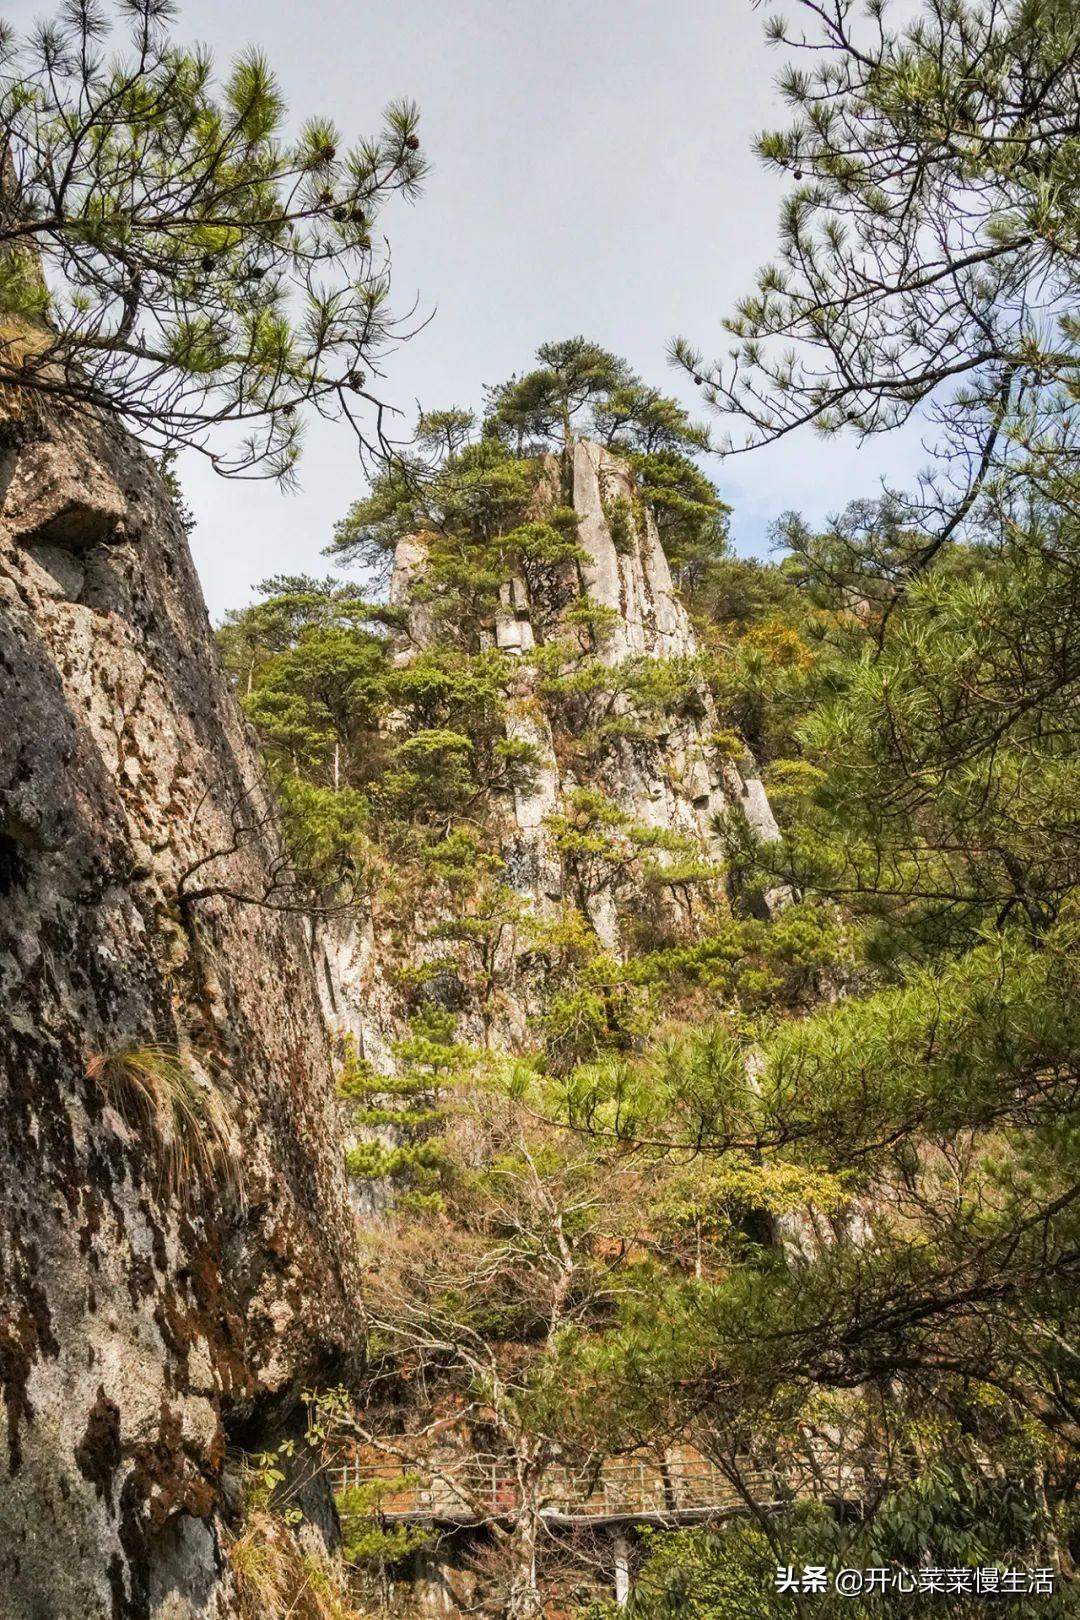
(671, 778)
(144, 1327)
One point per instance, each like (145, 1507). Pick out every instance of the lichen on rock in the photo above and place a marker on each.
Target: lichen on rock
(143, 1328)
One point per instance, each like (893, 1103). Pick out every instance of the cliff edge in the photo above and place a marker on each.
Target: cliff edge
(176, 1257)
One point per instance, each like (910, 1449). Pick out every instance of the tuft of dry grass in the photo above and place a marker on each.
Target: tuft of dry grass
(276, 1580)
(263, 1566)
(186, 1121)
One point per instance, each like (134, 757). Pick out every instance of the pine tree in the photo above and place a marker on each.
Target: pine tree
(928, 258)
(932, 803)
(168, 253)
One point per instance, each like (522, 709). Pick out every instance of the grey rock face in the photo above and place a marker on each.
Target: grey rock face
(673, 780)
(144, 1327)
(633, 579)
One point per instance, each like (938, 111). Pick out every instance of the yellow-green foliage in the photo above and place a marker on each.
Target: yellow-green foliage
(368, 1541)
(728, 743)
(277, 1580)
(183, 1120)
(622, 521)
(720, 1191)
(409, 1106)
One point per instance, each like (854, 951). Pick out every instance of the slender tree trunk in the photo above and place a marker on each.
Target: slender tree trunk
(525, 1601)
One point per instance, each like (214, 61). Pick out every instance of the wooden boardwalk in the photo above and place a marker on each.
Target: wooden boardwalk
(684, 1488)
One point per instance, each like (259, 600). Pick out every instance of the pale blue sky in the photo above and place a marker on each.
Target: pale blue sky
(591, 173)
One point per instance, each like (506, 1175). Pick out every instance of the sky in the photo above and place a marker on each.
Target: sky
(591, 173)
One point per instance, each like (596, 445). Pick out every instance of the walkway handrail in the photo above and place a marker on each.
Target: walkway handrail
(688, 1486)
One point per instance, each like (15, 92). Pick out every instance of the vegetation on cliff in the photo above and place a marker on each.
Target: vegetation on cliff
(694, 1137)
(801, 1190)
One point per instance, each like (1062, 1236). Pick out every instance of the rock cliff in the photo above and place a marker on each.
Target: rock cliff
(175, 1247)
(668, 773)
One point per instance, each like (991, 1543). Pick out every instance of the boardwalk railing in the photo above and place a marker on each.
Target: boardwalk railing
(684, 1487)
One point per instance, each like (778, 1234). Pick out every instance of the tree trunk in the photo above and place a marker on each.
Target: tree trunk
(525, 1602)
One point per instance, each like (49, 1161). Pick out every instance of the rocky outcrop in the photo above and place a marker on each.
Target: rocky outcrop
(175, 1240)
(671, 775)
(672, 778)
